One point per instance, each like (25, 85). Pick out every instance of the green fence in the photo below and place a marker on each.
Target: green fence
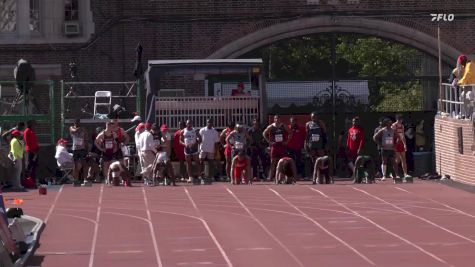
(35, 102)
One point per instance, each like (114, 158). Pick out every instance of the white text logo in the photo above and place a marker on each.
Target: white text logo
(442, 17)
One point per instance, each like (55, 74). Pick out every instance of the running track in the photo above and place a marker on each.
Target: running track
(420, 224)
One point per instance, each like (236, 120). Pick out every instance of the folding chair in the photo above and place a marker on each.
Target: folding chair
(66, 170)
(102, 98)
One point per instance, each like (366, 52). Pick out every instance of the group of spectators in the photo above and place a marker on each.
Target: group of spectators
(276, 152)
(24, 151)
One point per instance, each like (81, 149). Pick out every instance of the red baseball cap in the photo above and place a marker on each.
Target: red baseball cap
(62, 141)
(16, 133)
(139, 127)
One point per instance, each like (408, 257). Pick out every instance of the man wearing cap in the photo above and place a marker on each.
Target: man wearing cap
(209, 143)
(80, 147)
(64, 159)
(17, 152)
(147, 155)
(239, 91)
(8, 134)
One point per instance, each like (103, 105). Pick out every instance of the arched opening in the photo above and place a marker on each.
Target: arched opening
(326, 24)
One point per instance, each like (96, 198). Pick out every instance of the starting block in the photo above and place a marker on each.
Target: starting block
(397, 180)
(206, 181)
(76, 183)
(408, 180)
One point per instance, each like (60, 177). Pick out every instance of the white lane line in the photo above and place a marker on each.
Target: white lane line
(381, 227)
(418, 217)
(282, 245)
(152, 230)
(96, 227)
(190, 250)
(54, 204)
(125, 252)
(223, 253)
(253, 249)
(324, 229)
(440, 203)
(195, 263)
(63, 253)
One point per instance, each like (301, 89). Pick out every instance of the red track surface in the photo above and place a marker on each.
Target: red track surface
(423, 224)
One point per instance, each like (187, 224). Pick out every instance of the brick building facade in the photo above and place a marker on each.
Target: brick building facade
(110, 31)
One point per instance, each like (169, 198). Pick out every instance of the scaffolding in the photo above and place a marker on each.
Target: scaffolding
(36, 104)
(77, 101)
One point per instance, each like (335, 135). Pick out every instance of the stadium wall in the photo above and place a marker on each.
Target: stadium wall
(454, 155)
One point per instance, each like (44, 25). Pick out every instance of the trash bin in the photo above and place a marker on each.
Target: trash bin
(423, 163)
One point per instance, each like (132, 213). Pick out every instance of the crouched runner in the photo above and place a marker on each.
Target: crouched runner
(286, 171)
(241, 168)
(118, 174)
(163, 169)
(364, 170)
(323, 171)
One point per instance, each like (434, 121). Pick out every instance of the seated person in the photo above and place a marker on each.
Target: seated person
(323, 171)
(163, 169)
(286, 171)
(241, 168)
(364, 168)
(239, 90)
(64, 159)
(118, 173)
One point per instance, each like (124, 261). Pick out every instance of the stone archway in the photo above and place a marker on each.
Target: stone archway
(325, 24)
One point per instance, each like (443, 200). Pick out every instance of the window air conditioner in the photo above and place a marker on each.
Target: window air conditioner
(71, 28)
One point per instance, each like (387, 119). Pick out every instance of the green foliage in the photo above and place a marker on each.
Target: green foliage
(384, 63)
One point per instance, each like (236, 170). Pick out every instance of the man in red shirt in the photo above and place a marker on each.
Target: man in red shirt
(296, 144)
(239, 91)
(31, 148)
(356, 139)
(179, 149)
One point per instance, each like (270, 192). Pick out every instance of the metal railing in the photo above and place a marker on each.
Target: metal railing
(458, 101)
(77, 101)
(172, 110)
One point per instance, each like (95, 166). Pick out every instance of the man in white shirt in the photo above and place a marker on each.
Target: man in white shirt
(147, 155)
(63, 158)
(209, 142)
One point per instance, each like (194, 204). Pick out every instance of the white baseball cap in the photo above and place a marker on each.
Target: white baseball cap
(136, 118)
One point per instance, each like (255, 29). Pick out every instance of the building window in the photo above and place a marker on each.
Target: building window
(71, 10)
(35, 15)
(8, 15)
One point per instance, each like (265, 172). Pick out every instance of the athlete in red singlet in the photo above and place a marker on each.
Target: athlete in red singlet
(227, 147)
(106, 142)
(241, 168)
(276, 135)
(400, 146)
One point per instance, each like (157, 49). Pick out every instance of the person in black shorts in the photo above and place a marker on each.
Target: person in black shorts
(364, 170)
(80, 147)
(386, 137)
